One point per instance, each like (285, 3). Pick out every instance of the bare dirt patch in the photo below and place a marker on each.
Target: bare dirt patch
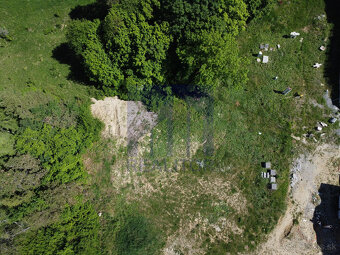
(127, 121)
(310, 170)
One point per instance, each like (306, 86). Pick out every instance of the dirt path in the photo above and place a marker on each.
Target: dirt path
(309, 171)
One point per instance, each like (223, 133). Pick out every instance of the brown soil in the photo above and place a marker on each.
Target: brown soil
(299, 239)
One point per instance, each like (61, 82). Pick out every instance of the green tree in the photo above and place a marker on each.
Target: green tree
(124, 52)
(227, 16)
(17, 187)
(212, 62)
(76, 232)
(58, 150)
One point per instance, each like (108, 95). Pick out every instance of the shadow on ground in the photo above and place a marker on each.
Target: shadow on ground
(65, 55)
(332, 70)
(325, 219)
(96, 10)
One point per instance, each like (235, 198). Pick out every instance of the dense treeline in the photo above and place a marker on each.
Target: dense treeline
(163, 47)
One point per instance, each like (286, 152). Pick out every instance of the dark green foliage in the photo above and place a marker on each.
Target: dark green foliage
(83, 39)
(76, 232)
(142, 47)
(124, 52)
(211, 60)
(59, 149)
(227, 16)
(131, 233)
(17, 187)
(254, 6)
(7, 122)
(136, 47)
(23, 163)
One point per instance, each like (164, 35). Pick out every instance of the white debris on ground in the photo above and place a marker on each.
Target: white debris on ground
(317, 65)
(265, 59)
(337, 132)
(321, 17)
(294, 34)
(322, 48)
(329, 102)
(295, 171)
(323, 124)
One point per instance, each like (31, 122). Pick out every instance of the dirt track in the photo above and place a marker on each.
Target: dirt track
(310, 171)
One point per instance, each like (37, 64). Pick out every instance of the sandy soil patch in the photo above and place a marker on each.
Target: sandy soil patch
(308, 171)
(127, 121)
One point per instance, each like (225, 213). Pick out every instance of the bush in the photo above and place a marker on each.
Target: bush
(76, 232)
(59, 149)
(131, 233)
(142, 47)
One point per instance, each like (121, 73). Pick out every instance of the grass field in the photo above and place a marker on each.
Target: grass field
(226, 208)
(32, 75)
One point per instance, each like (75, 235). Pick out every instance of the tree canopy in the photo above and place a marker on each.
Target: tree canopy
(146, 47)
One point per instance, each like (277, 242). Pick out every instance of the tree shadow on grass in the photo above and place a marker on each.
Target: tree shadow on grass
(65, 55)
(332, 68)
(97, 10)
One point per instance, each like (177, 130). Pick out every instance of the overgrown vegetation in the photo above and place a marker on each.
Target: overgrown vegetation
(185, 54)
(76, 232)
(142, 48)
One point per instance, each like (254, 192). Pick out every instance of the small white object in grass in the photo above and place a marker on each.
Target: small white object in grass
(317, 65)
(100, 214)
(265, 59)
(258, 60)
(333, 120)
(294, 34)
(301, 40)
(278, 46)
(260, 133)
(321, 17)
(318, 128)
(295, 137)
(260, 54)
(276, 77)
(321, 84)
(323, 124)
(322, 48)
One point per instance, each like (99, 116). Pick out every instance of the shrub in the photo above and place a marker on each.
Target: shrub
(76, 232)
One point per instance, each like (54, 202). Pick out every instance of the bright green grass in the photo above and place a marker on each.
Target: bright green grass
(28, 70)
